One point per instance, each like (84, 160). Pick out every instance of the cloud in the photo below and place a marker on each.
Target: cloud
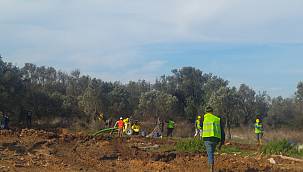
(143, 71)
(105, 38)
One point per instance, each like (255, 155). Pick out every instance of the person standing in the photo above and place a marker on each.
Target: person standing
(136, 128)
(170, 127)
(5, 121)
(2, 120)
(29, 119)
(213, 134)
(126, 125)
(259, 131)
(108, 123)
(198, 127)
(120, 125)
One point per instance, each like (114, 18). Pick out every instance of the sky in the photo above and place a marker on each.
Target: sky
(259, 43)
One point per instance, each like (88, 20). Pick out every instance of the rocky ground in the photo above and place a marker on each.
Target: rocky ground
(37, 150)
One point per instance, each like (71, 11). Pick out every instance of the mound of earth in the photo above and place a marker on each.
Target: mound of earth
(39, 150)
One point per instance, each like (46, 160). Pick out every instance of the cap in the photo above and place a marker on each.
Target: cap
(209, 109)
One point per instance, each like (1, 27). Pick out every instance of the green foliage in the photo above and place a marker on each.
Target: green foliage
(156, 103)
(184, 93)
(279, 147)
(190, 145)
(299, 92)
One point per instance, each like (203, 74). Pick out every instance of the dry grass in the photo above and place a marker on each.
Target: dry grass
(247, 135)
(182, 129)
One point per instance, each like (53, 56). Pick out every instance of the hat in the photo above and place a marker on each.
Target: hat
(209, 109)
(121, 118)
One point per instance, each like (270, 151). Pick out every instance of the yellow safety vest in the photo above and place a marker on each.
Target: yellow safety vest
(198, 126)
(258, 128)
(136, 128)
(211, 126)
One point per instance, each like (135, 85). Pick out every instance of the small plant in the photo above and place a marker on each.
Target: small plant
(190, 145)
(230, 149)
(279, 147)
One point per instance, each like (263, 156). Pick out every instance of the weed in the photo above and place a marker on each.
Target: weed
(230, 149)
(283, 147)
(190, 145)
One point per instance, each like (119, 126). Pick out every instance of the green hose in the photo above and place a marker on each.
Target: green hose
(104, 130)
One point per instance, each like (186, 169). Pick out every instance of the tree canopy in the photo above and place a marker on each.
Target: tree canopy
(183, 94)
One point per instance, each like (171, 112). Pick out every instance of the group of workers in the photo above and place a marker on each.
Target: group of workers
(125, 126)
(134, 128)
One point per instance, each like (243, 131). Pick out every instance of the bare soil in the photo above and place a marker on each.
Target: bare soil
(38, 150)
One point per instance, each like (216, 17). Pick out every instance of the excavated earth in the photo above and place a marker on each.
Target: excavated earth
(37, 150)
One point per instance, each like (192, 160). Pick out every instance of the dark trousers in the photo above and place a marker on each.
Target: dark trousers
(5, 124)
(29, 122)
(170, 132)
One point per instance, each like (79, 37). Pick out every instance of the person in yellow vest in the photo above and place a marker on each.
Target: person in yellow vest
(198, 127)
(136, 128)
(170, 127)
(100, 116)
(126, 124)
(259, 131)
(213, 134)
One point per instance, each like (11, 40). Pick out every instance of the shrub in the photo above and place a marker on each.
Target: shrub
(279, 147)
(190, 145)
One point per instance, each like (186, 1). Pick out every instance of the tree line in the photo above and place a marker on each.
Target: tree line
(182, 95)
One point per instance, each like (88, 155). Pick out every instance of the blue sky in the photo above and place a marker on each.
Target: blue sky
(253, 42)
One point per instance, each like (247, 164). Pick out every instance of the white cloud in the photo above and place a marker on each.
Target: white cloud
(147, 71)
(108, 34)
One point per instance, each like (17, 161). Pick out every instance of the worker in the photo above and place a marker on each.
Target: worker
(2, 120)
(120, 125)
(126, 124)
(108, 123)
(136, 128)
(5, 121)
(170, 127)
(213, 134)
(259, 131)
(198, 127)
(100, 116)
(29, 115)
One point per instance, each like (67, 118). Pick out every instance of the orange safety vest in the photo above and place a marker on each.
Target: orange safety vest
(120, 123)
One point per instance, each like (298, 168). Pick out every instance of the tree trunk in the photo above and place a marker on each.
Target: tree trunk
(227, 124)
(229, 133)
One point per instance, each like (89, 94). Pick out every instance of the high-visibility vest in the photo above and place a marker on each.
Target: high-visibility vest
(120, 124)
(171, 124)
(136, 128)
(258, 128)
(211, 126)
(198, 124)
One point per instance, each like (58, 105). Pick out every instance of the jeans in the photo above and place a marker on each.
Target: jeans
(170, 132)
(210, 149)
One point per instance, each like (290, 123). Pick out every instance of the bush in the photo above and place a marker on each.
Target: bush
(279, 147)
(190, 145)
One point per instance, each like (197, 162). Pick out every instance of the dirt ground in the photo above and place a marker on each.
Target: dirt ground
(38, 150)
